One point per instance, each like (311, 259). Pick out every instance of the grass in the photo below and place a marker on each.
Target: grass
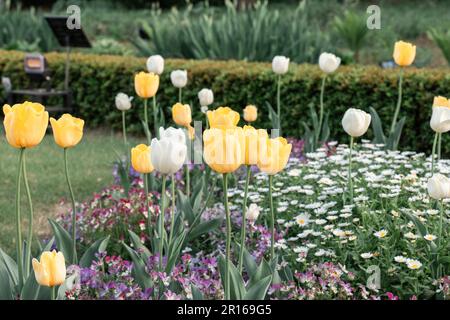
(90, 167)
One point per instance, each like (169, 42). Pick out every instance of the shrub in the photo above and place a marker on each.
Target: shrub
(95, 80)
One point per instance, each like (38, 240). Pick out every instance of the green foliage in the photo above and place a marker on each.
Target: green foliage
(97, 79)
(352, 29)
(442, 40)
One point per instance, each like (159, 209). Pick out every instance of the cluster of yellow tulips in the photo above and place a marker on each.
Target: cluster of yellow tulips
(25, 126)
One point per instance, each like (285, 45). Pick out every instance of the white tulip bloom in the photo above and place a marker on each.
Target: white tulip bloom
(440, 119)
(179, 78)
(439, 187)
(253, 212)
(175, 134)
(356, 122)
(280, 64)
(155, 64)
(206, 97)
(123, 102)
(169, 152)
(328, 62)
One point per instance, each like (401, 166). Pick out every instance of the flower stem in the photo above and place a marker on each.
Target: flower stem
(30, 226)
(53, 293)
(74, 212)
(155, 117)
(147, 200)
(244, 212)
(350, 179)
(161, 221)
(188, 181)
(124, 130)
(146, 129)
(228, 243)
(433, 152)
(399, 101)
(180, 94)
(439, 146)
(322, 89)
(172, 218)
(272, 219)
(279, 103)
(441, 220)
(18, 225)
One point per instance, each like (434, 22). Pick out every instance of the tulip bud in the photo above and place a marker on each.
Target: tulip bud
(223, 118)
(250, 113)
(440, 118)
(141, 159)
(439, 187)
(280, 64)
(169, 152)
(155, 64)
(51, 270)
(206, 97)
(146, 84)
(328, 62)
(404, 53)
(179, 78)
(252, 212)
(181, 114)
(123, 102)
(274, 156)
(67, 130)
(356, 122)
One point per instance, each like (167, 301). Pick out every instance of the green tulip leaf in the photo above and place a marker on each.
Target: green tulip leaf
(89, 256)
(63, 240)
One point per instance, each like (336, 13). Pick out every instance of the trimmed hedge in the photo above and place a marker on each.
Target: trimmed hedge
(95, 80)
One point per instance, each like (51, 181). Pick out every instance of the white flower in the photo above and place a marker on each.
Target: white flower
(440, 118)
(438, 187)
(253, 212)
(356, 122)
(179, 78)
(204, 109)
(169, 152)
(302, 219)
(280, 64)
(400, 259)
(381, 234)
(328, 62)
(155, 64)
(206, 97)
(430, 237)
(366, 255)
(123, 102)
(413, 264)
(410, 235)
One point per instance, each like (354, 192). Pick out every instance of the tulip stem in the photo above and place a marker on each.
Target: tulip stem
(74, 212)
(161, 221)
(439, 146)
(350, 179)
(279, 103)
(172, 218)
(18, 225)
(441, 219)
(30, 225)
(399, 100)
(322, 89)
(146, 129)
(124, 130)
(188, 181)
(433, 152)
(53, 293)
(147, 203)
(228, 242)
(180, 94)
(272, 220)
(155, 117)
(244, 213)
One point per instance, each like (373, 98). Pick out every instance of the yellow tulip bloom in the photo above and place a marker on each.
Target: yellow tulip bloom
(25, 124)
(146, 84)
(141, 159)
(224, 149)
(255, 144)
(51, 271)
(67, 130)
(404, 53)
(250, 113)
(181, 114)
(276, 156)
(223, 118)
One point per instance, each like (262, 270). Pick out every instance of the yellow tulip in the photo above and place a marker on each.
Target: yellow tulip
(275, 158)
(25, 124)
(224, 149)
(51, 271)
(146, 84)
(255, 143)
(250, 113)
(441, 102)
(223, 118)
(404, 53)
(141, 159)
(181, 114)
(67, 130)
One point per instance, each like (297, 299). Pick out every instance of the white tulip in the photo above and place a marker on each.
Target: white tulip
(179, 78)
(252, 212)
(328, 62)
(175, 134)
(206, 97)
(438, 187)
(155, 64)
(123, 102)
(440, 119)
(280, 64)
(168, 153)
(356, 122)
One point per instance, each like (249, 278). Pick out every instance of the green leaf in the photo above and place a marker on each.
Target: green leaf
(138, 245)
(33, 291)
(394, 137)
(377, 127)
(249, 263)
(63, 240)
(10, 266)
(203, 228)
(140, 274)
(89, 256)
(66, 286)
(273, 117)
(6, 285)
(196, 294)
(237, 288)
(258, 290)
(174, 251)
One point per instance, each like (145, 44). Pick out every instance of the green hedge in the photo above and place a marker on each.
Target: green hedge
(95, 80)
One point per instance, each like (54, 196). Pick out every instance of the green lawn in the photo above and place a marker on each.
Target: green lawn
(90, 165)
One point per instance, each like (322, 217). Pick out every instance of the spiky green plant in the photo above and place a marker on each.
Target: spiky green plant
(442, 40)
(352, 29)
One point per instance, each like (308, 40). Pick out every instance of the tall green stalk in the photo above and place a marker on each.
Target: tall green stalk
(441, 220)
(188, 181)
(147, 204)
(53, 293)
(161, 222)
(172, 218)
(272, 219)
(155, 117)
(322, 89)
(18, 220)
(124, 130)
(30, 225)
(74, 212)
(244, 213)
(350, 179)
(147, 130)
(279, 103)
(228, 243)
(433, 152)
(439, 146)
(399, 101)
(180, 94)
